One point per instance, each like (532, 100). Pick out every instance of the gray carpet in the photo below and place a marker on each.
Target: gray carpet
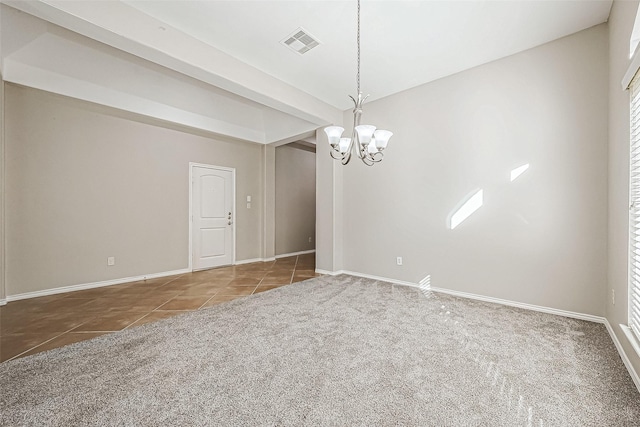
(331, 351)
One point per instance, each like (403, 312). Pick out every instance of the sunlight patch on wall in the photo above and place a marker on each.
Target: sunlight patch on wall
(518, 171)
(469, 207)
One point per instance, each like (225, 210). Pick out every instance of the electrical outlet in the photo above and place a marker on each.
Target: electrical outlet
(399, 260)
(111, 261)
(310, 240)
(613, 296)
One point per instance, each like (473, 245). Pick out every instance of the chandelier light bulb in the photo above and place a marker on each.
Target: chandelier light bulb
(382, 138)
(371, 148)
(334, 133)
(344, 144)
(365, 132)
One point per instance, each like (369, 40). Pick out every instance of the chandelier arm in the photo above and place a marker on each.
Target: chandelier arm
(346, 158)
(377, 157)
(354, 137)
(362, 152)
(357, 113)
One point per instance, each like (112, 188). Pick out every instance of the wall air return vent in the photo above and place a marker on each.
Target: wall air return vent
(300, 41)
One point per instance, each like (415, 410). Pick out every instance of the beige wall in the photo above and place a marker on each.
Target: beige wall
(269, 211)
(295, 213)
(329, 207)
(539, 240)
(620, 27)
(2, 196)
(86, 182)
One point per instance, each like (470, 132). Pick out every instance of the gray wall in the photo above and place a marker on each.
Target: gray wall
(295, 204)
(86, 182)
(539, 240)
(620, 27)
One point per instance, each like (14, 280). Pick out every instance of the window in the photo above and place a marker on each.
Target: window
(634, 208)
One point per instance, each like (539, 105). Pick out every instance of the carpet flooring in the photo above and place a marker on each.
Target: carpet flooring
(331, 351)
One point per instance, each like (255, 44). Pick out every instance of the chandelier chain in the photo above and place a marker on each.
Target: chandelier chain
(358, 75)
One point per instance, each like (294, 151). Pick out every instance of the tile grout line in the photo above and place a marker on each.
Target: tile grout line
(155, 309)
(203, 304)
(293, 273)
(127, 327)
(263, 276)
(166, 302)
(42, 343)
(172, 280)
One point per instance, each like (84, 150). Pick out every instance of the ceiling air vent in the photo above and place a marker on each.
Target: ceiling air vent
(300, 41)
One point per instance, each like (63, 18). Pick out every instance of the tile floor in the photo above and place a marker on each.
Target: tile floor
(33, 325)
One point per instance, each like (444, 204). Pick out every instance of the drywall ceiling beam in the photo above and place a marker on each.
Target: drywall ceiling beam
(37, 78)
(294, 138)
(125, 28)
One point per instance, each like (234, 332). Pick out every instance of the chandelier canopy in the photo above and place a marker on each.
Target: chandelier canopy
(366, 141)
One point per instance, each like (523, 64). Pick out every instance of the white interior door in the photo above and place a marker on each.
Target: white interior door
(212, 211)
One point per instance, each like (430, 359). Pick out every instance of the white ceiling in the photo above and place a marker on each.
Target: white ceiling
(404, 43)
(231, 50)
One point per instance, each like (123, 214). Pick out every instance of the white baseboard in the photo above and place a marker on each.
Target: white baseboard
(623, 354)
(381, 279)
(329, 273)
(252, 260)
(3, 301)
(295, 254)
(93, 285)
(366, 276)
(369, 276)
(426, 282)
(558, 312)
(249, 261)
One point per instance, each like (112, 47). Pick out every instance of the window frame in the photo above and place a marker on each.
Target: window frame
(633, 313)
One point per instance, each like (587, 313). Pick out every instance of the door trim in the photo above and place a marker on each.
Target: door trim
(233, 203)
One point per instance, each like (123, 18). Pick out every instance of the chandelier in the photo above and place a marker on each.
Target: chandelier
(366, 141)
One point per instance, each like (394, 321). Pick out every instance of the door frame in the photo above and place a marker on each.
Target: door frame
(233, 203)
